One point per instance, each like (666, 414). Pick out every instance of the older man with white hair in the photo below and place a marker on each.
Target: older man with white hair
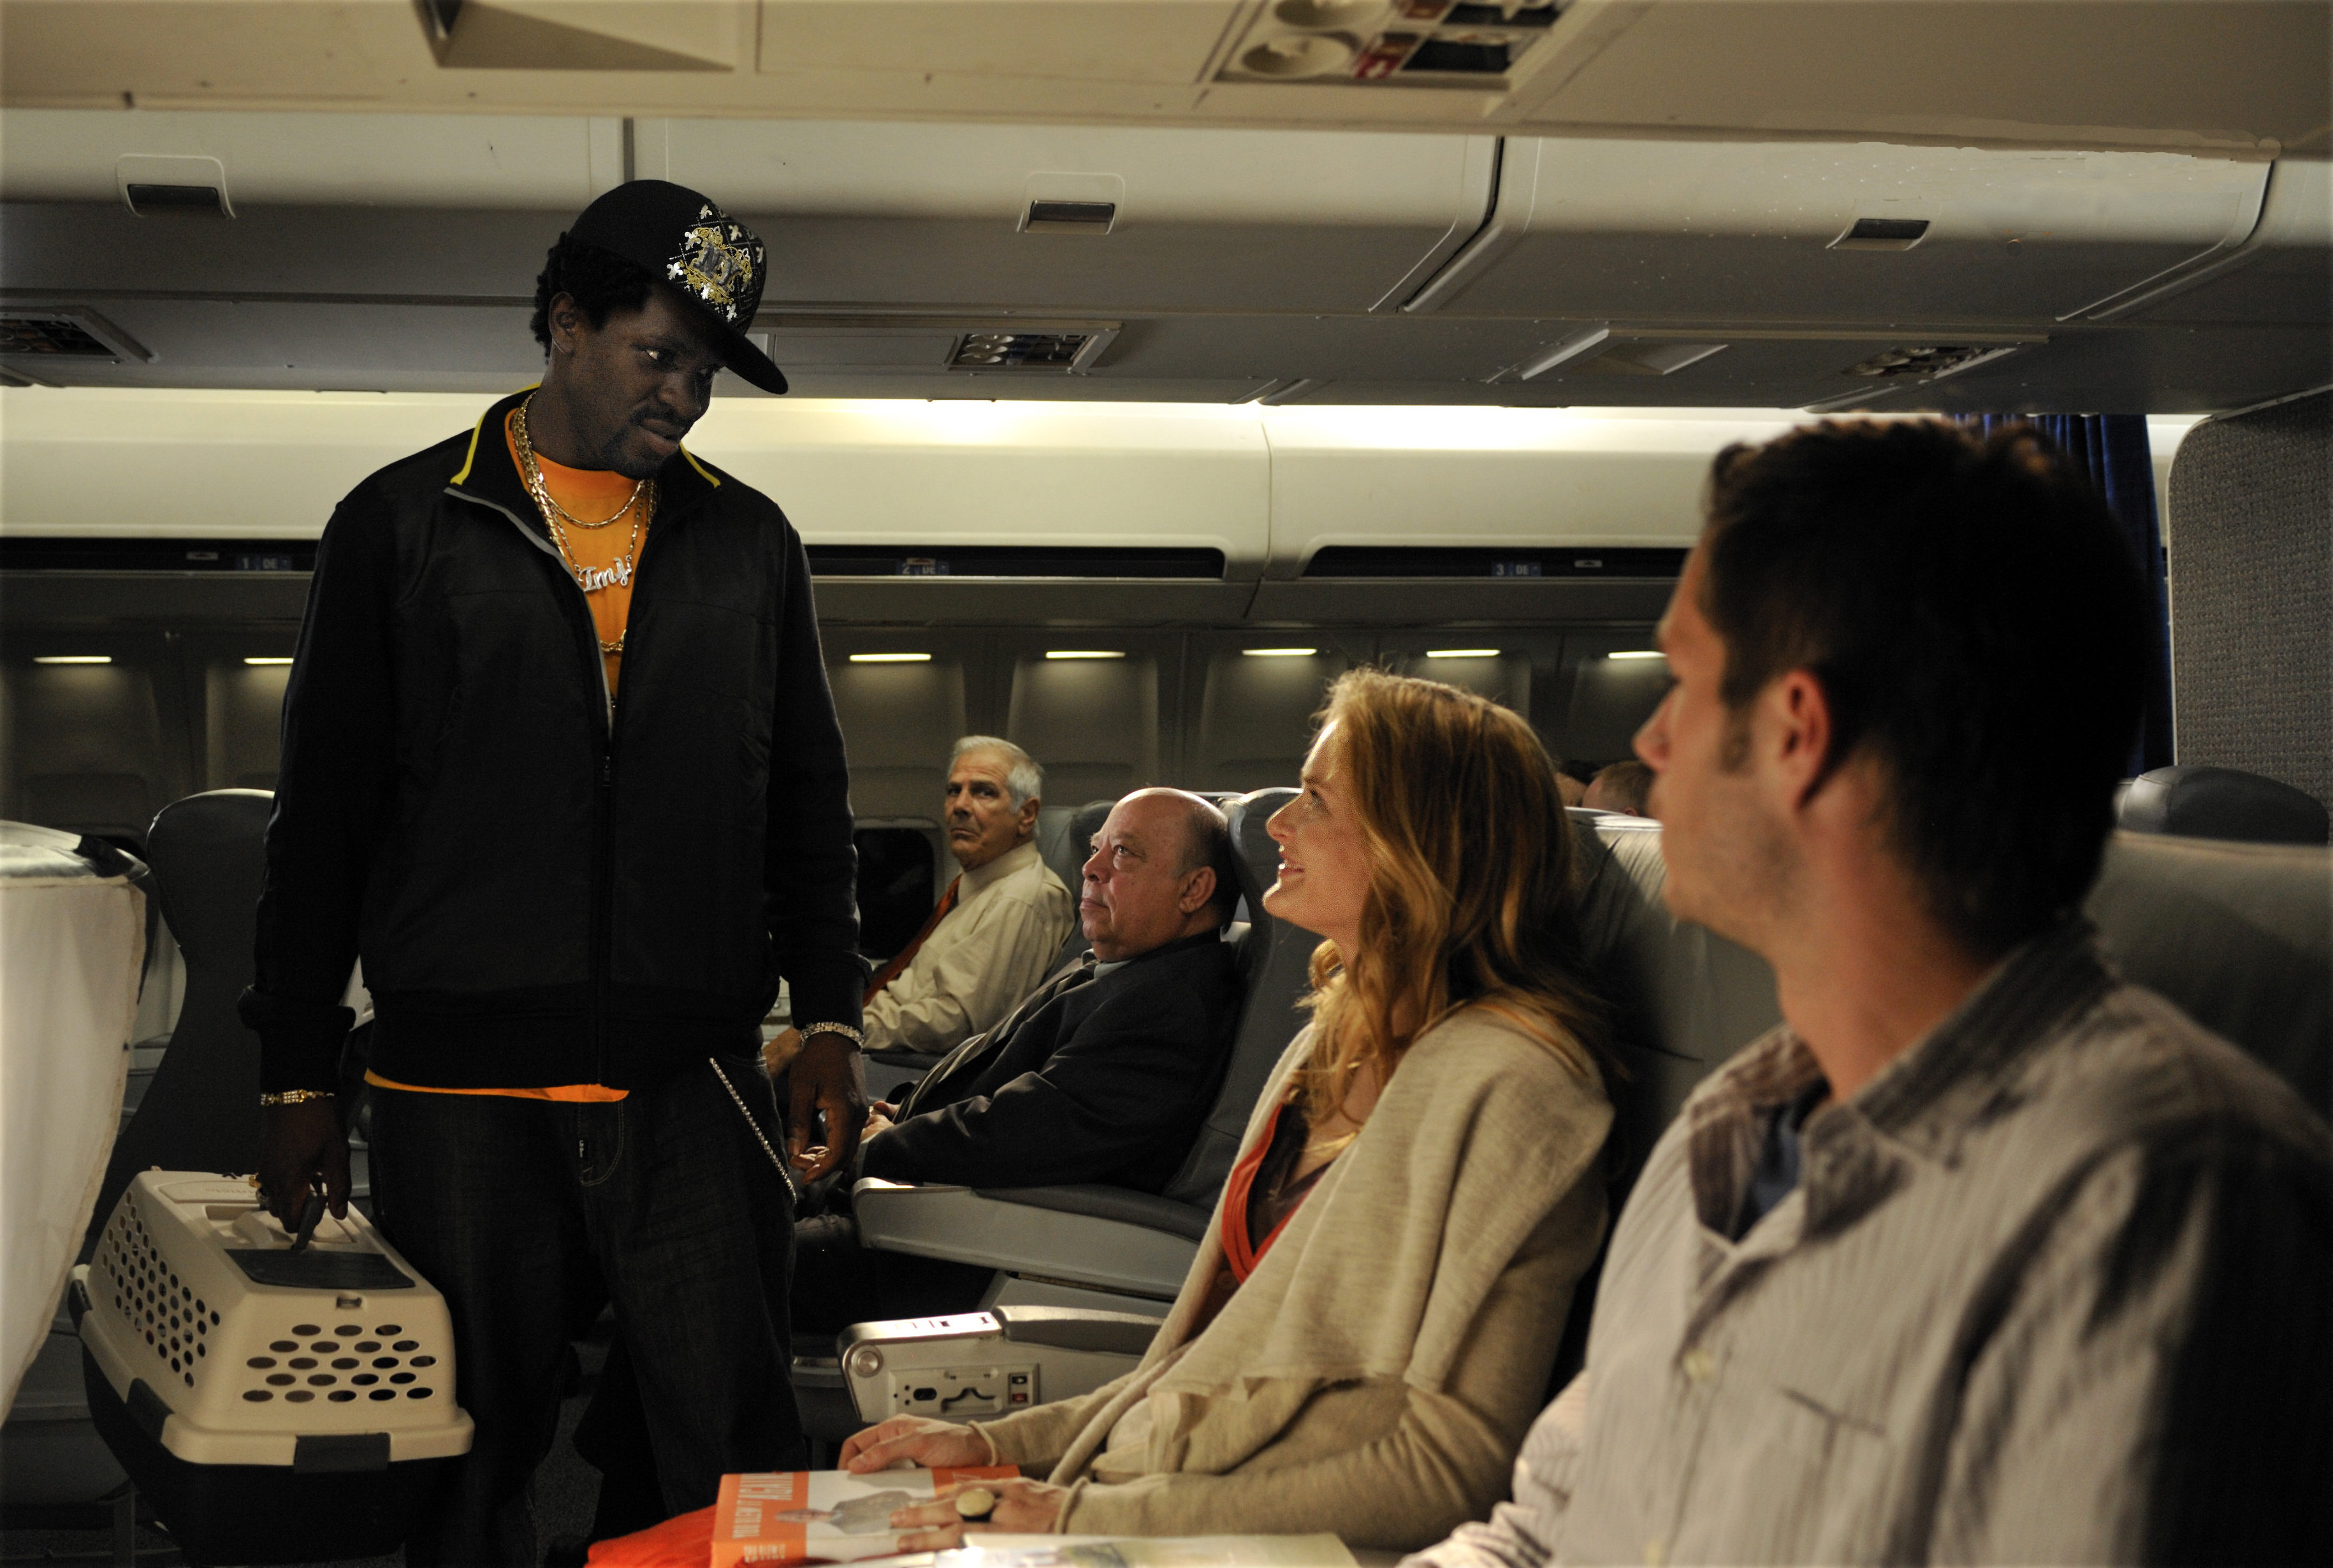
(995, 929)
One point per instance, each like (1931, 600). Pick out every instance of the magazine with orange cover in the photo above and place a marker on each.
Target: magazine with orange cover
(829, 1515)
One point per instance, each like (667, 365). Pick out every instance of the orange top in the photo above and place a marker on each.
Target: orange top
(1241, 1251)
(591, 493)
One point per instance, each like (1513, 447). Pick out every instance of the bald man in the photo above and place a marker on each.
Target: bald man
(1101, 1075)
(1104, 1073)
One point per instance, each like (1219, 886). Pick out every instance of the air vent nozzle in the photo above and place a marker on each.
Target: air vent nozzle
(1011, 349)
(1926, 361)
(73, 334)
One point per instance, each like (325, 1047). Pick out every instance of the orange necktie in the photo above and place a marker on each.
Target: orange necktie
(907, 954)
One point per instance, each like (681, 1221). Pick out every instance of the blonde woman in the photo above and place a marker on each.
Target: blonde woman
(1369, 1324)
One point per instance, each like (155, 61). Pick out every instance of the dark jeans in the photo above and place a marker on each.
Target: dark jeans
(504, 1203)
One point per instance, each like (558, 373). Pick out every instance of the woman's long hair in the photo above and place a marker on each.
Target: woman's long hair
(1470, 897)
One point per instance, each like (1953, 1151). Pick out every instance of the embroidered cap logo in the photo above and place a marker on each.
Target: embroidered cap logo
(720, 262)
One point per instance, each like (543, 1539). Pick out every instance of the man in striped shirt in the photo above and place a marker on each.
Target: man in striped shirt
(1982, 1255)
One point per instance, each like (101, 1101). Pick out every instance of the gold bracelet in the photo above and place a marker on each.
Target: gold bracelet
(845, 1030)
(296, 1097)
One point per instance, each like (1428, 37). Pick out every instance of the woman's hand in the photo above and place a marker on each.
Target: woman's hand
(918, 1439)
(1022, 1508)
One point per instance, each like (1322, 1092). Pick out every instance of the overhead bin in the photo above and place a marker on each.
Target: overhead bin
(1079, 218)
(1406, 516)
(538, 162)
(2282, 273)
(980, 512)
(966, 512)
(1816, 231)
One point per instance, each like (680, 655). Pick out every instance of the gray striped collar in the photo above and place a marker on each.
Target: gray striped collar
(1921, 1105)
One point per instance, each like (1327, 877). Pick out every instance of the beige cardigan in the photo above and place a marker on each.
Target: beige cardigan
(1376, 1374)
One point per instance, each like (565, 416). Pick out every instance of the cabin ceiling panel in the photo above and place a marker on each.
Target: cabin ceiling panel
(486, 349)
(2242, 75)
(2043, 72)
(285, 252)
(354, 346)
(2158, 369)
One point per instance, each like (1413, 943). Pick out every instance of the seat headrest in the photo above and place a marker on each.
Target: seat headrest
(1257, 856)
(208, 853)
(2221, 802)
(2240, 936)
(1274, 960)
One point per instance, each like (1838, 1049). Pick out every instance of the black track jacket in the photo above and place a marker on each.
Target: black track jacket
(1107, 1081)
(543, 893)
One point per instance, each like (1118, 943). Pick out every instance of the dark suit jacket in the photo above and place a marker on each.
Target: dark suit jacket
(1106, 1083)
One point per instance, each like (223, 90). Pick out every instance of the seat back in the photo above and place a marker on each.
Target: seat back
(1071, 847)
(2240, 936)
(201, 1112)
(2221, 802)
(1274, 961)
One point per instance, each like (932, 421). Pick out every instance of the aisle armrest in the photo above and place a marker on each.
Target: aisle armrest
(989, 1364)
(1129, 1242)
(1121, 1203)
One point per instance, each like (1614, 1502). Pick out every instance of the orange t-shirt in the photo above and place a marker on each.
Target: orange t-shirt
(590, 493)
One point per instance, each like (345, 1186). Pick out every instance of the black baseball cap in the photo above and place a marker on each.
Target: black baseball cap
(676, 236)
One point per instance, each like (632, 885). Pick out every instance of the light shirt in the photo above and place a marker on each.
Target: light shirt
(2037, 1297)
(1011, 916)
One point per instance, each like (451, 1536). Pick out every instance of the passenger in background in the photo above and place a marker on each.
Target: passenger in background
(1102, 1074)
(1620, 787)
(995, 929)
(1570, 786)
(1981, 1255)
(1366, 1332)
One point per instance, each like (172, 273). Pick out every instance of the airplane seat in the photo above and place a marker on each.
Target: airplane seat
(2238, 935)
(2221, 802)
(1094, 1246)
(69, 948)
(1275, 974)
(201, 1111)
(1071, 848)
(1062, 832)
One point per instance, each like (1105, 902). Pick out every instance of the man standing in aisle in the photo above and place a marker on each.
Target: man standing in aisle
(561, 764)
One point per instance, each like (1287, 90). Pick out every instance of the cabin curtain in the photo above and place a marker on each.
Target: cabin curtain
(2113, 449)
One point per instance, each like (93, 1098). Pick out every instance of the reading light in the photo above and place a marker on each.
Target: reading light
(1279, 653)
(1462, 653)
(72, 659)
(269, 659)
(1081, 653)
(1637, 653)
(890, 658)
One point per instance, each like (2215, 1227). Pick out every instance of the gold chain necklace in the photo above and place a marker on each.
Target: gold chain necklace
(533, 475)
(590, 579)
